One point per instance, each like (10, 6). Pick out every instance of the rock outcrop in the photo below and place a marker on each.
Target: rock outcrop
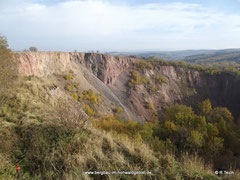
(110, 74)
(106, 67)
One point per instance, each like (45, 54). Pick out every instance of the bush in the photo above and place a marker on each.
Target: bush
(68, 88)
(90, 96)
(67, 113)
(141, 65)
(75, 96)
(88, 110)
(118, 109)
(68, 77)
(130, 128)
(149, 105)
(160, 80)
(136, 79)
(155, 116)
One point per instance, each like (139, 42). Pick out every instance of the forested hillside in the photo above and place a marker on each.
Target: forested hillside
(219, 57)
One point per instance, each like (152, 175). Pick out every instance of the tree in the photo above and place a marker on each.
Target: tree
(205, 107)
(195, 140)
(33, 49)
(220, 113)
(180, 114)
(8, 69)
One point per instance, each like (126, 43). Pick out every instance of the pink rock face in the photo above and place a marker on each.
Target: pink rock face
(26, 66)
(106, 67)
(42, 63)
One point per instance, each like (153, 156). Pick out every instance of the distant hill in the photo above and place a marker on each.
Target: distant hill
(168, 55)
(217, 57)
(193, 56)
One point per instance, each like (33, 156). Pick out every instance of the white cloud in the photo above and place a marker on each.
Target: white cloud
(93, 24)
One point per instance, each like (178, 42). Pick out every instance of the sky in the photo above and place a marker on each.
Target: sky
(120, 25)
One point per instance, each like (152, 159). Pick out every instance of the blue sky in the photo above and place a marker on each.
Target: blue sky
(120, 25)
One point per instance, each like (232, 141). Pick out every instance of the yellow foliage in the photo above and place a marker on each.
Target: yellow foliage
(132, 129)
(90, 96)
(143, 65)
(155, 116)
(157, 144)
(195, 139)
(75, 96)
(160, 80)
(170, 126)
(118, 109)
(205, 107)
(137, 79)
(149, 105)
(68, 77)
(69, 88)
(88, 110)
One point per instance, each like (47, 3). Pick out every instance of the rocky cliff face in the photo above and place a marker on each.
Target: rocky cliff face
(110, 74)
(106, 67)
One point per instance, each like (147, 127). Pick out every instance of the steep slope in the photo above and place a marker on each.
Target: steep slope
(47, 144)
(159, 86)
(92, 71)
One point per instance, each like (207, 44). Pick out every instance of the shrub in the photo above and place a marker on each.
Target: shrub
(132, 129)
(152, 89)
(118, 109)
(67, 113)
(157, 145)
(68, 88)
(160, 80)
(141, 65)
(75, 96)
(137, 79)
(149, 105)
(88, 110)
(89, 95)
(163, 80)
(68, 77)
(155, 116)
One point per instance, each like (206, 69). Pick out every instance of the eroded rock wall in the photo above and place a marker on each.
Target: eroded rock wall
(184, 85)
(106, 67)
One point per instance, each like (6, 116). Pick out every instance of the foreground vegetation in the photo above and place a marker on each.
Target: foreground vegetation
(54, 145)
(61, 144)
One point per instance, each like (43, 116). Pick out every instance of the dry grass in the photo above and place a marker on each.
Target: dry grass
(195, 167)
